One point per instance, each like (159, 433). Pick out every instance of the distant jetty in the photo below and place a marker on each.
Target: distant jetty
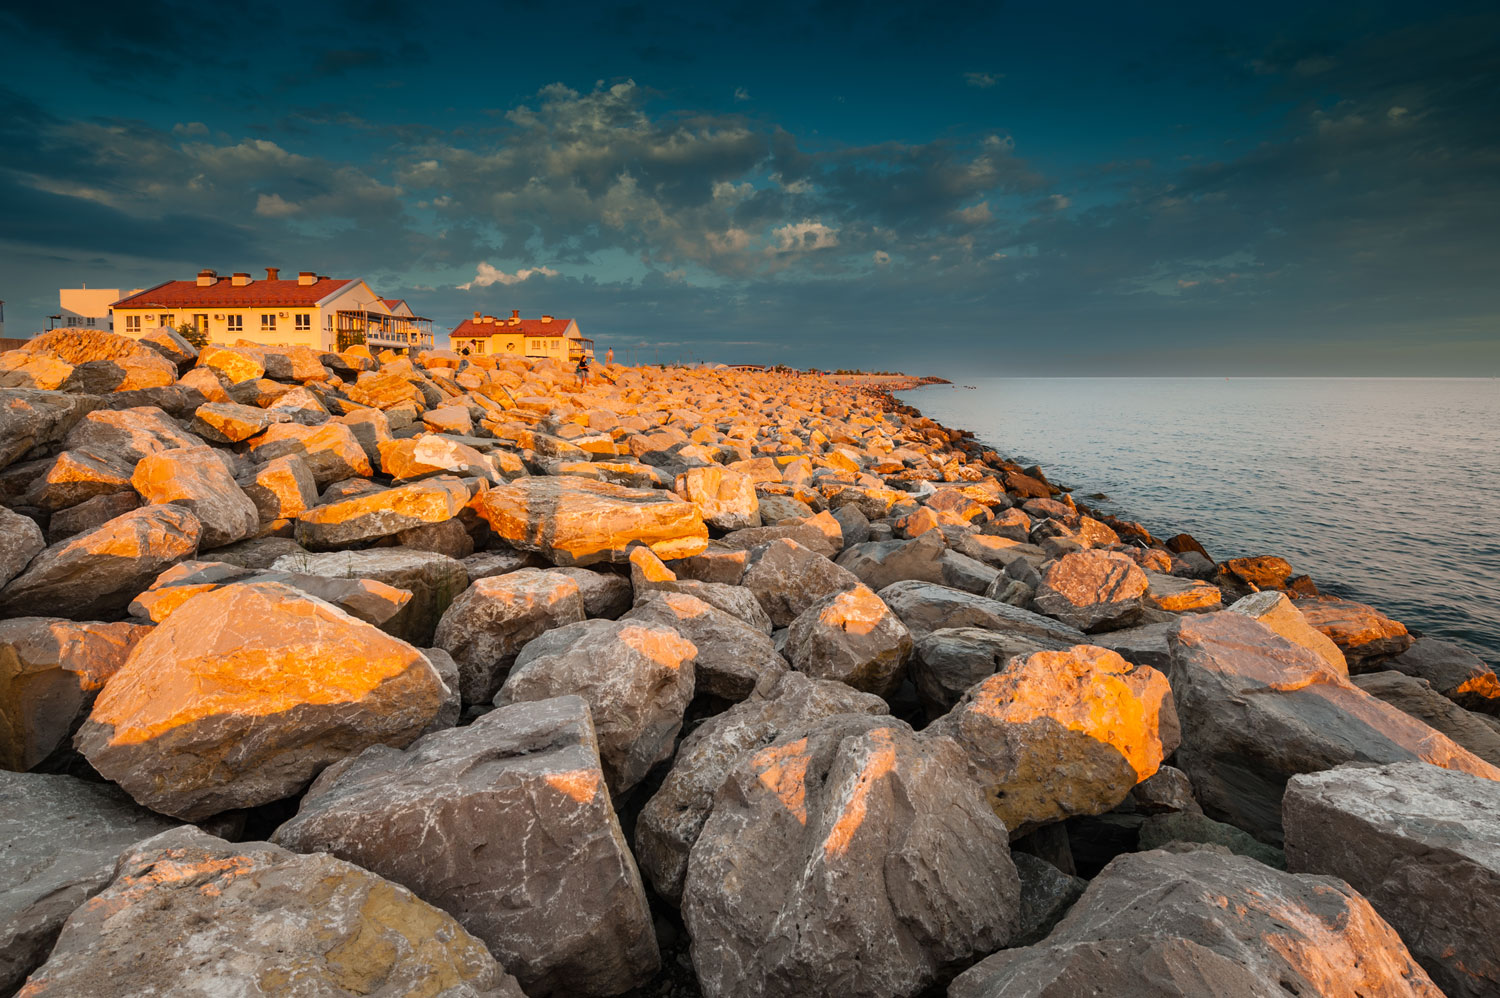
(360, 673)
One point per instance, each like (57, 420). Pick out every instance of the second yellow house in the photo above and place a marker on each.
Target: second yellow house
(559, 339)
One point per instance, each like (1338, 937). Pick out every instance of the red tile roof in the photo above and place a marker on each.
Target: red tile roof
(262, 294)
(391, 303)
(502, 327)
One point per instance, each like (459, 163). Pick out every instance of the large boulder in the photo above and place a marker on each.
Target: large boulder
(852, 637)
(196, 479)
(75, 476)
(492, 620)
(604, 593)
(925, 607)
(1416, 697)
(672, 819)
(380, 514)
(51, 670)
(20, 541)
(105, 362)
(31, 419)
(1453, 671)
(189, 914)
(1423, 845)
(882, 563)
(230, 422)
(127, 435)
(1199, 923)
(1277, 611)
(332, 451)
(1361, 632)
(245, 693)
(98, 572)
(61, 838)
(733, 656)
(1093, 590)
(411, 458)
(433, 580)
(637, 679)
(373, 602)
(849, 857)
(1058, 734)
(579, 521)
(507, 826)
(787, 578)
(726, 499)
(821, 533)
(946, 662)
(1257, 710)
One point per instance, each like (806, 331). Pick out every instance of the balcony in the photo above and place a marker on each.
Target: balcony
(380, 331)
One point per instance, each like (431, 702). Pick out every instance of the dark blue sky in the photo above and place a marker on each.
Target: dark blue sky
(978, 187)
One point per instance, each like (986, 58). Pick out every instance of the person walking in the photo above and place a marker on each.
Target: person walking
(583, 371)
(609, 356)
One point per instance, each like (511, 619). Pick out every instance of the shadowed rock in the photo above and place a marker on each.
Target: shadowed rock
(1092, 590)
(1199, 923)
(1423, 845)
(1453, 671)
(733, 657)
(925, 607)
(787, 578)
(852, 637)
(947, 662)
(20, 541)
(507, 826)
(1417, 698)
(188, 913)
(433, 580)
(31, 419)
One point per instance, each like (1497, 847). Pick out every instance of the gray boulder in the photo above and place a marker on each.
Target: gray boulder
(20, 541)
(506, 825)
(946, 662)
(433, 580)
(882, 563)
(1417, 698)
(1453, 671)
(1423, 844)
(733, 657)
(787, 578)
(925, 607)
(851, 637)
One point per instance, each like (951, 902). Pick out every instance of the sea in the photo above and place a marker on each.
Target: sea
(1384, 490)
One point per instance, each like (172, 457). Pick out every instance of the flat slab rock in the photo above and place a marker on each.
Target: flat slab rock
(1423, 844)
(506, 825)
(59, 839)
(1198, 923)
(188, 913)
(245, 693)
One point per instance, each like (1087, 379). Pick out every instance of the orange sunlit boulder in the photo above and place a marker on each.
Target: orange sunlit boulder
(381, 514)
(245, 693)
(197, 479)
(578, 521)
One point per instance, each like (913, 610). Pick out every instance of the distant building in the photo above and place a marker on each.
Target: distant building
(86, 307)
(535, 338)
(326, 313)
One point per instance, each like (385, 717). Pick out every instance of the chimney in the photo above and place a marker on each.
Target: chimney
(515, 313)
(272, 272)
(476, 316)
(306, 278)
(207, 278)
(240, 280)
(322, 277)
(546, 318)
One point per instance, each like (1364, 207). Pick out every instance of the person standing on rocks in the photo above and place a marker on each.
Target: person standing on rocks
(583, 371)
(609, 356)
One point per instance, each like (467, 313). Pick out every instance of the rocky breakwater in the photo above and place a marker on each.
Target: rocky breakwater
(338, 674)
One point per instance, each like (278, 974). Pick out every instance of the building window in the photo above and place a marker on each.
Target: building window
(166, 320)
(235, 323)
(132, 323)
(304, 320)
(327, 322)
(72, 320)
(479, 346)
(268, 322)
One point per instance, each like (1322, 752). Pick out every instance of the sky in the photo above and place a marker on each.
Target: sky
(987, 188)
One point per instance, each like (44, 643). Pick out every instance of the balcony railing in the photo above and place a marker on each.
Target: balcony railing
(376, 329)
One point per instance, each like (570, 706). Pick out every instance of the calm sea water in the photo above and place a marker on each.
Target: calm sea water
(1383, 490)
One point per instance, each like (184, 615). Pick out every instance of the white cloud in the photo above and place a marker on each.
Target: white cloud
(983, 81)
(740, 93)
(729, 241)
(974, 214)
(1059, 202)
(487, 275)
(882, 258)
(804, 237)
(190, 128)
(275, 206)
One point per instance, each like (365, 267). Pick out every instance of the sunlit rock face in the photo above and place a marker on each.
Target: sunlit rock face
(115, 363)
(947, 662)
(230, 422)
(787, 578)
(62, 837)
(670, 822)
(733, 657)
(411, 458)
(1257, 710)
(506, 825)
(1423, 845)
(98, 572)
(1199, 922)
(852, 637)
(188, 913)
(1062, 733)
(236, 366)
(1277, 611)
(332, 451)
(849, 857)
(381, 514)
(433, 580)
(492, 620)
(1361, 632)
(726, 499)
(245, 693)
(127, 435)
(579, 521)
(75, 476)
(196, 479)
(51, 670)
(1416, 697)
(637, 679)
(1093, 590)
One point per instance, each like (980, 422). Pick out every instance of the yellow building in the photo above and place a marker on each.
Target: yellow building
(559, 339)
(87, 308)
(321, 312)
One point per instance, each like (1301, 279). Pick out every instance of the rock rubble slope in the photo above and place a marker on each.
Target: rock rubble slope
(690, 682)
